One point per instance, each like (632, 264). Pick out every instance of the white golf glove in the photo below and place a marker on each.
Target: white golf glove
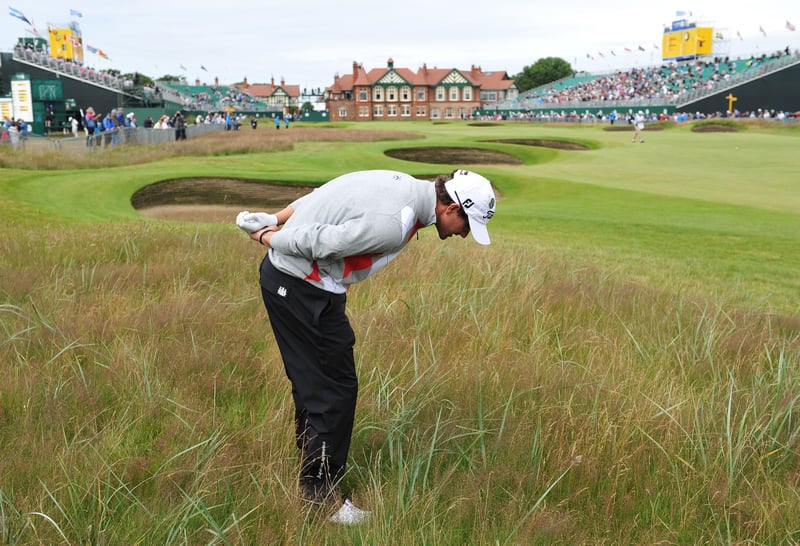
(253, 221)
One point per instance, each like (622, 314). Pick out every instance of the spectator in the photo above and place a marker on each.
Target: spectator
(74, 125)
(180, 126)
(13, 135)
(109, 126)
(90, 124)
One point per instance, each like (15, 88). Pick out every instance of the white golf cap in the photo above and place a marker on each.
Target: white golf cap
(475, 195)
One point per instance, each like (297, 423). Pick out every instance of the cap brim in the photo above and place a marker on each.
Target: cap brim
(479, 232)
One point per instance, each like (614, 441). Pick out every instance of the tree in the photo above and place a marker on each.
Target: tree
(542, 72)
(139, 79)
(170, 78)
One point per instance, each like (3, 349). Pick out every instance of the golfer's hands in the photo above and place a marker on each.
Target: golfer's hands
(252, 222)
(263, 235)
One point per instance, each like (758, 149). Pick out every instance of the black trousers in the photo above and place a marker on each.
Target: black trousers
(316, 344)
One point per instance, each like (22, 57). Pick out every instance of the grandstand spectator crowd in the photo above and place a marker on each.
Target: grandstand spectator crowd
(617, 116)
(69, 66)
(206, 98)
(215, 98)
(667, 82)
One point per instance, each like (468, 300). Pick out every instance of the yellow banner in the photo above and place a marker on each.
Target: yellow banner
(687, 43)
(66, 44)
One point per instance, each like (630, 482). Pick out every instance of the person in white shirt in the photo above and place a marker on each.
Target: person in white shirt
(638, 127)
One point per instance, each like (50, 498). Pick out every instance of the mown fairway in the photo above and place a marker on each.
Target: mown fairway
(620, 366)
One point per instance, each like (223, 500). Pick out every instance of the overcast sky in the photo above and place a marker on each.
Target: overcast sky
(234, 39)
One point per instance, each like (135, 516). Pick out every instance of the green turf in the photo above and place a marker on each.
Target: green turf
(717, 211)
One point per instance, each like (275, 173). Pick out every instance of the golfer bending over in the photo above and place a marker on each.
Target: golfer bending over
(337, 235)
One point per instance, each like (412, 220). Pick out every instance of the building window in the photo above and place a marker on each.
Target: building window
(454, 93)
(362, 95)
(488, 95)
(467, 93)
(342, 112)
(420, 93)
(391, 94)
(462, 113)
(377, 94)
(405, 110)
(405, 94)
(448, 113)
(434, 113)
(391, 111)
(420, 111)
(440, 93)
(363, 111)
(377, 111)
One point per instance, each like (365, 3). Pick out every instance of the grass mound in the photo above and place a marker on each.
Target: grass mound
(447, 155)
(545, 143)
(715, 128)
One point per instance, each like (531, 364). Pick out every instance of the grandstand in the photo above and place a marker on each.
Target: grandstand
(766, 82)
(69, 86)
(211, 98)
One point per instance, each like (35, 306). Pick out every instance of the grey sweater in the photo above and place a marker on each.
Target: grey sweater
(348, 229)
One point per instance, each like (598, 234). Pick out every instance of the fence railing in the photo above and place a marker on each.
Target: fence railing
(106, 140)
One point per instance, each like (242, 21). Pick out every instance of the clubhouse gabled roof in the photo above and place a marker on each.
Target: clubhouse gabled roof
(266, 90)
(423, 77)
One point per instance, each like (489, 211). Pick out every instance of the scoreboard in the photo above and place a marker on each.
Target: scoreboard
(685, 41)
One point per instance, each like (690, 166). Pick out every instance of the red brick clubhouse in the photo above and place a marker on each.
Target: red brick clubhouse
(401, 94)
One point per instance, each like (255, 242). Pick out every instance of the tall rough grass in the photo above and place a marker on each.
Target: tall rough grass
(40, 154)
(506, 397)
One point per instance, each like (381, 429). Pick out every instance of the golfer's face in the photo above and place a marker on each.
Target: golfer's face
(452, 222)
